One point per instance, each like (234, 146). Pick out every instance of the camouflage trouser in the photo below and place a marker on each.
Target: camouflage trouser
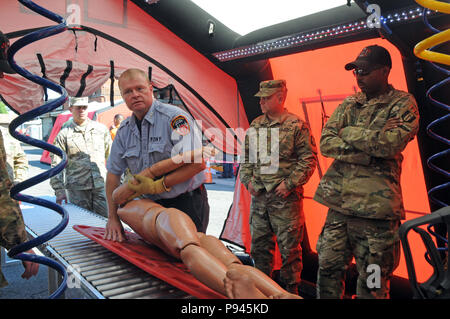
(375, 245)
(93, 200)
(12, 227)
(272, 215)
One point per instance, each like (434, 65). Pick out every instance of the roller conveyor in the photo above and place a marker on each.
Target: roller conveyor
(101, 273)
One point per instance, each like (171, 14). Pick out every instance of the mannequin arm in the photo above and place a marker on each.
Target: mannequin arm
(182, 167)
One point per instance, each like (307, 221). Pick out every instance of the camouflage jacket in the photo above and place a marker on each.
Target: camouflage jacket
(276, 151)
(12, 228)
(364, 179)
(87, 148)
(16, 159)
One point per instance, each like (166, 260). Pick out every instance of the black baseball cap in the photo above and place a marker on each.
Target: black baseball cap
(4, 45)
(370, 57)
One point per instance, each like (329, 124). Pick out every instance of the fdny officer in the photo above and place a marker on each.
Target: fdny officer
(155, 131)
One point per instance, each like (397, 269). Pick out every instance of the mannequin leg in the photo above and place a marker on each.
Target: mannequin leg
(239, 282)
(205, 267)
(141, 216)
(177, 230)
(216, 248)
(240, 286)
(261, 281)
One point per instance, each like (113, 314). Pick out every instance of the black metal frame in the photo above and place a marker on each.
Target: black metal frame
(438, 285)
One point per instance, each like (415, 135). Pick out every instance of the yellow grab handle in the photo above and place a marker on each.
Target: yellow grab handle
(421, 48)
(435, 5)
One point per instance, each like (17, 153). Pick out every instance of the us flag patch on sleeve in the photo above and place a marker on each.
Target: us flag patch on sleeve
(181, 125)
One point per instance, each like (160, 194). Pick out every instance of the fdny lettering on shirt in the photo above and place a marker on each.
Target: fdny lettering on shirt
(155, 139)
(181, 125)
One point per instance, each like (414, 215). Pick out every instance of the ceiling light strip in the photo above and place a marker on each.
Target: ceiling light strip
(325, 34)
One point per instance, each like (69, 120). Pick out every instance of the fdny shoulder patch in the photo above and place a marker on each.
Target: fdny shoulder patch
(181, 125)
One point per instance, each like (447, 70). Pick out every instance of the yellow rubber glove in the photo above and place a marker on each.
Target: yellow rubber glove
(146, 186)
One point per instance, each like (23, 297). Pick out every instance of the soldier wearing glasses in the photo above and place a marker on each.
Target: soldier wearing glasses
(365, 135)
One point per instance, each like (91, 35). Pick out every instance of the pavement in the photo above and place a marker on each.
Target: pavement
(220, 197)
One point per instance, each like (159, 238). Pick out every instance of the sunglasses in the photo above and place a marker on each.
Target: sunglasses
(364, 72)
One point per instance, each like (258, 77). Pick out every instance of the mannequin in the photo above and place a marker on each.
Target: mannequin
(174, 232)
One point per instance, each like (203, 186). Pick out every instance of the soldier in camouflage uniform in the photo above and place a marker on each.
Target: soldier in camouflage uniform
(365, 135)
(87, 144)
(274, 173)
(16, 159)
(12, 228)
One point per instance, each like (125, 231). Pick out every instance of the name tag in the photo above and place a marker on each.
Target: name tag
(155, 139)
